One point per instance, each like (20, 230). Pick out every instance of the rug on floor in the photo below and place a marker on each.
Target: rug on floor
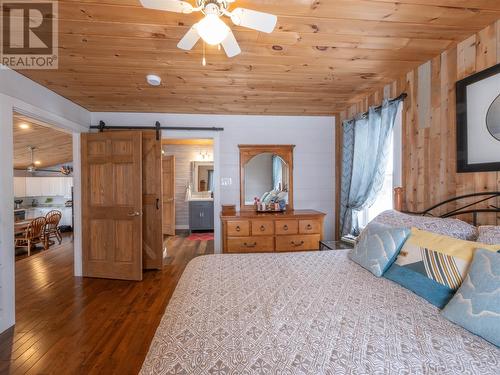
(201, 237)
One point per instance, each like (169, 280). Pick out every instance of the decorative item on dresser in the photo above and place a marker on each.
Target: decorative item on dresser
(251, 232)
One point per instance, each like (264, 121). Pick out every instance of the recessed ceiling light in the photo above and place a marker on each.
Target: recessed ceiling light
(38, 162)
(24, 126)
(153, 80)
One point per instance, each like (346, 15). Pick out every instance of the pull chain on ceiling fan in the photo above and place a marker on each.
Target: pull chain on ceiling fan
(211, 28)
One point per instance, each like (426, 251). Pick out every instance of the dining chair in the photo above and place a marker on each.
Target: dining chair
(52, 226)
(33, 235)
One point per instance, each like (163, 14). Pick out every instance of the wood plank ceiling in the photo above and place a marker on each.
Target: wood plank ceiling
(52, 147)
(322, 56)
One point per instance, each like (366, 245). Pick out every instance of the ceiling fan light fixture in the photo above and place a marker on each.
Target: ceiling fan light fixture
(212, 29)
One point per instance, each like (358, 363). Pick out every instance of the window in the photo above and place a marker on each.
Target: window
(384, 199)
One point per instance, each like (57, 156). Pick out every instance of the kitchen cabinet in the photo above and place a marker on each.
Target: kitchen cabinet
(19, 187)
(201, 215)
(66, 218)
(43, 186)
(33, 186)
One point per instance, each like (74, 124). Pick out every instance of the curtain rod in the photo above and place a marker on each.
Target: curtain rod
(403, 96)
(102, 126)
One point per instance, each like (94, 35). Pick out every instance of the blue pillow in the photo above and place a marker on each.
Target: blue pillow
(476, 305)
(378, 246)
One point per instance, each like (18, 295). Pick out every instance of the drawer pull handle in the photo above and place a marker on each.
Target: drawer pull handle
(250, 245)
(297, 244)
(262, 228)
(238, 229)
(285, 227)
(309, 227)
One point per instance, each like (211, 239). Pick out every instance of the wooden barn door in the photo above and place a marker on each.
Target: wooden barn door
(168, 168)
(112, 204)
(152, 236)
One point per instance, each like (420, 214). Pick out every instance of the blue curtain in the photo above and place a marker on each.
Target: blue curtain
(345, 179)
(372, 135)
(277, 172)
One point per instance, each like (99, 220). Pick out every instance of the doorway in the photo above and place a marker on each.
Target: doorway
(43, 188)
(188, 195)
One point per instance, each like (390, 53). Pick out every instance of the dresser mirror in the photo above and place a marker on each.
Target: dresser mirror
(203, 176)
(266, 173)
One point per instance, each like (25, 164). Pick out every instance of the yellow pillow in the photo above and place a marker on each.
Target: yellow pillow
(447, 245)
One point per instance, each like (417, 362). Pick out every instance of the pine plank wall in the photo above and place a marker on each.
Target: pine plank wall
(429, 142)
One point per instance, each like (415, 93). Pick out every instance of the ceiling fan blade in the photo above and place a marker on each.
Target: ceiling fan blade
(252, 19)
(231, 45)
(189, 40)
(168, 5)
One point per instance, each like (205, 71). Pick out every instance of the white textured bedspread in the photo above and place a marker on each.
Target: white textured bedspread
(306, 313)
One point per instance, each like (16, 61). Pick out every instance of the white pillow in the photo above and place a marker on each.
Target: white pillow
(489, 234)
(447, 227)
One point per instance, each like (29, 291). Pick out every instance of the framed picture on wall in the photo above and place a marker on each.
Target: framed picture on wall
(478, 121)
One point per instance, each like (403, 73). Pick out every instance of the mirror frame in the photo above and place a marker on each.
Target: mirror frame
(194, 176)
(247, 152)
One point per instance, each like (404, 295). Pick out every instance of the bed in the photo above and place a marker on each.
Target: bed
(306, 313)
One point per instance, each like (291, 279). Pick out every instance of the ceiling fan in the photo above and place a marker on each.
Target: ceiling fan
(65, 169)
(211, 28)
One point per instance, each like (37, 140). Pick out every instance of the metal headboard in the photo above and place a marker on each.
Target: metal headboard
(467, 208)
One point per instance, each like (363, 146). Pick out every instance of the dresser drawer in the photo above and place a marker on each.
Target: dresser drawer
(297, 243)
(250, 244)
(287, 227)
(238, 228)
(262, 228)
(309, 227)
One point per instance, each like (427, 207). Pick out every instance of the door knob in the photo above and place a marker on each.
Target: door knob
(133, 214)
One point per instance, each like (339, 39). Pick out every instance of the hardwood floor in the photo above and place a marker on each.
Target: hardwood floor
(22, 253)
(68, 325)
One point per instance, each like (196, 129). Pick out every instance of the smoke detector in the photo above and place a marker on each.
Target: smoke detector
(153, 80)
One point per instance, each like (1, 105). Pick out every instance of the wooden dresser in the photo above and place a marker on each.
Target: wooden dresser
(251, 232)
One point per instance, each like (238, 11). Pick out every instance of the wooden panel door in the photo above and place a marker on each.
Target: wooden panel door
(112, 204)
(152, 235)
(168, 168)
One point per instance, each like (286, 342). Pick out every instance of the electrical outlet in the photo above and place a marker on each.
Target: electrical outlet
(226, 181)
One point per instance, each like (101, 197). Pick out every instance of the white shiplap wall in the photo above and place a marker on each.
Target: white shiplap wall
(314, 156)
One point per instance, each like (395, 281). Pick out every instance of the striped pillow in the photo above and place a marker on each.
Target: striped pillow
(434, 266)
